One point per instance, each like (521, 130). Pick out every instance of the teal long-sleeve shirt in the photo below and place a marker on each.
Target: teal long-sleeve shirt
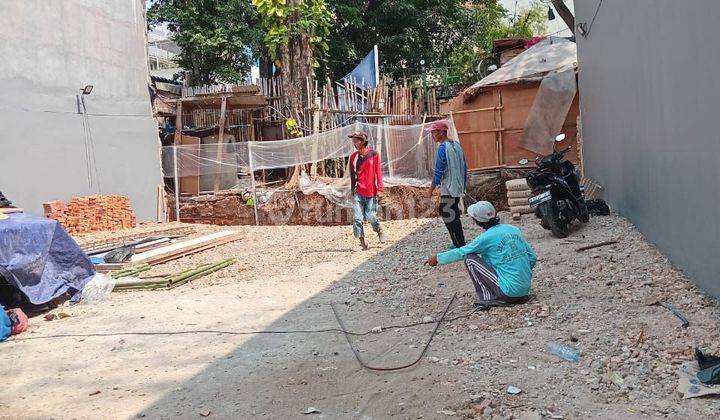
(504, 248)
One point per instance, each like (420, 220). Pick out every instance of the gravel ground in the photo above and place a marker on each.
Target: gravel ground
(286, 279)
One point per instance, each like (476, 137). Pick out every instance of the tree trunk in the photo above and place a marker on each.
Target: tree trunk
(266, 67)
(565, 14)
(296, 59)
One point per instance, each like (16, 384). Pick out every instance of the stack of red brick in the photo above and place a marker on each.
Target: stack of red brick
(92, 213)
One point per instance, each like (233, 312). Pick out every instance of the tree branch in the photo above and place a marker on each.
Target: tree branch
(565, 13)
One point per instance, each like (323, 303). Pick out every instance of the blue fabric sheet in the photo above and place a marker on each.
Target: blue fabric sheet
(39, 258)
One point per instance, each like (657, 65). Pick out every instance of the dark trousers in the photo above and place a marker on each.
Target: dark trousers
(450, 213)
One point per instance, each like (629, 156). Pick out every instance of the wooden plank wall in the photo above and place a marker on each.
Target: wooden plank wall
(491, 125)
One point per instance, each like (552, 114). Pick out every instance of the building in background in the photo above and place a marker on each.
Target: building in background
(57, 142)
(649, 100)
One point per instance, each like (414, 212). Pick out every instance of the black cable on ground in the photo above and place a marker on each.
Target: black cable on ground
(224, 332)
(390, 369)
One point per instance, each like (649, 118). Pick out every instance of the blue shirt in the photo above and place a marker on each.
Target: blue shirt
(450, 169)
(504, 249)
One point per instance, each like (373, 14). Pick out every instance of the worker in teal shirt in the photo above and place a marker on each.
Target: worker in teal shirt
(499, 261)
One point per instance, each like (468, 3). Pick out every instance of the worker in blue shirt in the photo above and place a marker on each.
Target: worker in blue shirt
(499, 261)
(450, 175)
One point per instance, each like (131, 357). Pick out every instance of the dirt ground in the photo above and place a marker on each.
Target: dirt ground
(113, 360)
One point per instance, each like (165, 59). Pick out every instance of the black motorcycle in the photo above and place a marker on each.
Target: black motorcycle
(557, 196)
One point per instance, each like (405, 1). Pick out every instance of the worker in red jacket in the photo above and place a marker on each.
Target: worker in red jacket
(367, 186)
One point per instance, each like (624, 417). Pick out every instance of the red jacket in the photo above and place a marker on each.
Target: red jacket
(366, 174)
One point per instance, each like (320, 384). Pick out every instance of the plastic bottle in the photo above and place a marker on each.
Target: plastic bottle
(563, 351)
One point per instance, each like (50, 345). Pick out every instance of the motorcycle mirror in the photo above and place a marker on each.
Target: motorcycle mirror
(523, 161)
(560, 137)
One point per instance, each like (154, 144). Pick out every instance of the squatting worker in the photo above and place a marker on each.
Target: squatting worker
(367, 185)
(499, 261)
(450, 175)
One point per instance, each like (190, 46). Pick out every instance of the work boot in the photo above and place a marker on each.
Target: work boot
(363, 244)
(381, 236)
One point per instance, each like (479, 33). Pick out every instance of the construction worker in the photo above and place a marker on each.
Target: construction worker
(499, 261)
(367, 185)
(450, 175)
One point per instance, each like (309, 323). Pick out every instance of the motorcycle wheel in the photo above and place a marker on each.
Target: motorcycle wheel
(551, 217)
(538, 213)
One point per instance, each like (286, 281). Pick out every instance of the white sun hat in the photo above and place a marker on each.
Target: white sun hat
(482, 211)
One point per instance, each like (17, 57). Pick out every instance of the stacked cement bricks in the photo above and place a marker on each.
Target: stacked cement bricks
(518, 193)
(92, 213)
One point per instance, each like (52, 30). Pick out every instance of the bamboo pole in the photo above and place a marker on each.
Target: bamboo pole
(201, 273)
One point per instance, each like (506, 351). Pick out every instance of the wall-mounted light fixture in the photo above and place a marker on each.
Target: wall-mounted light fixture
(85, 90)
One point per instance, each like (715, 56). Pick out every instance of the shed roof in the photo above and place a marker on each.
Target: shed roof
(550, 54)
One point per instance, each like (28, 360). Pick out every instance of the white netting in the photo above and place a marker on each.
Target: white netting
(407, 153)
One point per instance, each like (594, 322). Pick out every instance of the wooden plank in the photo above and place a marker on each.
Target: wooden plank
(180, 249)
(219, 145)
(190, 184)
(474, 121)
(490, 130)
(480, 149)
(466, 111)
(501, 158)
(252, 89)
(11, 210)
(517, 101)
(195, 250)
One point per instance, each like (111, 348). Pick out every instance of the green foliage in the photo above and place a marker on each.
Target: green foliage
(283, 20)
(218, 39)
(493, 22)
(441, 33)
(411, 34)
(293, 128)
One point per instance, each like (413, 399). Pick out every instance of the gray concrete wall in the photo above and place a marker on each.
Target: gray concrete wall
(650, 102)
(49, 50)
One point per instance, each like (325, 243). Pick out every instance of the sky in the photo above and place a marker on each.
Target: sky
(557, 25)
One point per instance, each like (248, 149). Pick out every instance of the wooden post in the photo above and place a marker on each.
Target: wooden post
(497, 122)
(316, 130)
(178, 122)
(177, 184)
(219, 145)
(254, 185)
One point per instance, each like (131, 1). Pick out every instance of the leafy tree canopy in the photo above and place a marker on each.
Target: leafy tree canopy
(219, 39)
(414, 35)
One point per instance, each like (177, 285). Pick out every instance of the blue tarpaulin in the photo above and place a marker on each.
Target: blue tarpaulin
(366, 74)
(366, 71)
(40, 259)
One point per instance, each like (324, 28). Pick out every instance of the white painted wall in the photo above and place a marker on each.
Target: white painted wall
(50, 50)
(649, 95)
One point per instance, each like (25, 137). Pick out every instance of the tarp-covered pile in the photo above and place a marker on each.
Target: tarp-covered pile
(41, 260)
